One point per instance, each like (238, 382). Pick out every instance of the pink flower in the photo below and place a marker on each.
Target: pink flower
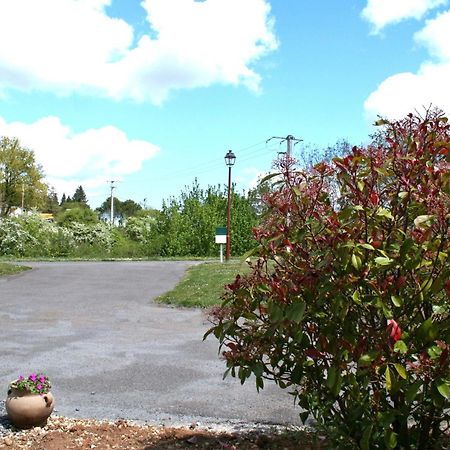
(393, 328)
(32, 377)
(42, 379)
(21, 378)
(39, 387)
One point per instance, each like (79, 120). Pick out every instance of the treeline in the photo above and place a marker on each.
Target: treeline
(185, 226)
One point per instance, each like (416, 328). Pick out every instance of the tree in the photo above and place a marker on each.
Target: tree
(63, 199)
(122, 210)
(188, 222)
(79, 195)
(52, 204)
(347, 304)
(75, 212)
(21, 178)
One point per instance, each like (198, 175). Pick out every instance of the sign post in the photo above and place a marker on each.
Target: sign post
(221, 238)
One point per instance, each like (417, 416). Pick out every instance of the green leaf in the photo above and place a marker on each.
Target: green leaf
(296, 311)
(412, 391)
(400, 347)
(381, 261)
(428, 330)
(258, 370)
(365, 360)
(259, 383)
(383, 212)
(390, 439)
(275, 312)
(396, 300)
(356, 262)
(356, 298)
(365, 440)
(401, 371)
(381, 122)
(443, 387)
(367, 246)
(331, 379)
(269, 177)
(423, 221)
(388, 377)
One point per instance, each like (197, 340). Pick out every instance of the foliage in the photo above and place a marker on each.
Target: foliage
(122, 210)
(348, 302)
(14, 239)
(20, 177)
(52, 203)
(188, 222)
(75, 212)
(202, 284)
(36, 383)
(79, 196)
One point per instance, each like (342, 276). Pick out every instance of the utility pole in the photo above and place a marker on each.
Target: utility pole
(111, 220)
(289, 140)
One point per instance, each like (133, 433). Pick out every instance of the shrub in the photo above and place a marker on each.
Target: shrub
(347, 304)
(14, 240)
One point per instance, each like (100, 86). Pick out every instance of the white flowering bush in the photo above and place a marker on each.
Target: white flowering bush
(52, 239)
(140, 228)
(98, 234)
(14, 239)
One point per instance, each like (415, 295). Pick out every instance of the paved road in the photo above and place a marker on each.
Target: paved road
(113, 353)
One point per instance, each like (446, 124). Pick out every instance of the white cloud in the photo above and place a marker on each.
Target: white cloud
(89, 158)
(67, 46)
(436, 36)
(405, 92)
(384, 12)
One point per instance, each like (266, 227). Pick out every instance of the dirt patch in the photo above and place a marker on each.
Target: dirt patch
(62, 433)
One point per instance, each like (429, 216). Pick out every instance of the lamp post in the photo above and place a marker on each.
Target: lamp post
(230, 159)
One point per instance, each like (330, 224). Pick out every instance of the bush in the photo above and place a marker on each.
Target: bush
(14, 240)
(347, 304)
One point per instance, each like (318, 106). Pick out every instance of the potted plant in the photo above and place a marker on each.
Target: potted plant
(29, 402)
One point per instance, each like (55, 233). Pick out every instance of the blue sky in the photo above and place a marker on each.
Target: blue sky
(153, 93)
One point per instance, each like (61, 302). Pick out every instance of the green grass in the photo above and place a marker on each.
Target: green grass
(10, 269)
(203, 285)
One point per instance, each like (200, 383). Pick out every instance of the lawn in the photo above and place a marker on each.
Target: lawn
(9, 269)
(203, 285)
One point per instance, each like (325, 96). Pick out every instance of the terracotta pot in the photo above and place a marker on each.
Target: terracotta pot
(27, 410)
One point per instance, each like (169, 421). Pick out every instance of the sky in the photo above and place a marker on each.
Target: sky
(153, 93)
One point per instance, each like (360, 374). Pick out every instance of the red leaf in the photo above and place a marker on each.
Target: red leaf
(374, 199)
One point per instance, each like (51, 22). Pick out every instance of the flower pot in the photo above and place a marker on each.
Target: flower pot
(27, 410)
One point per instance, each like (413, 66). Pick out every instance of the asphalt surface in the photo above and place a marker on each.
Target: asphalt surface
(111, 352)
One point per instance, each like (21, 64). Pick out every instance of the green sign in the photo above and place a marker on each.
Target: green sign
(221, 231)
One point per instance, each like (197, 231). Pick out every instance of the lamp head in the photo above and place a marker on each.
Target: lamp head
(230, 158)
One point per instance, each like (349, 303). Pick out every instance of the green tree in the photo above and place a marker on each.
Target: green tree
(52, 203)
(188, 222)
(21, 178)
(72, 212)
(79, 195)
(122, 210)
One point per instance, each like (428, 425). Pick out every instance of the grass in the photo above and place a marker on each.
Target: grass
(10, 269)
(203, 285)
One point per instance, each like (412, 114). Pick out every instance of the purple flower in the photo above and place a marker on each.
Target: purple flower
(42, 379)
(32, 377)
(21, 378)
(39, 387)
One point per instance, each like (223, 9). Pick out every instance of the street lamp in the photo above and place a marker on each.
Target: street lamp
(230, 159)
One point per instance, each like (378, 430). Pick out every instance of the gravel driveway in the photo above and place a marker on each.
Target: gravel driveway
(113, 353)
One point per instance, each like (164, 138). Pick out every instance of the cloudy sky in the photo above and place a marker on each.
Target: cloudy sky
(153, 93)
